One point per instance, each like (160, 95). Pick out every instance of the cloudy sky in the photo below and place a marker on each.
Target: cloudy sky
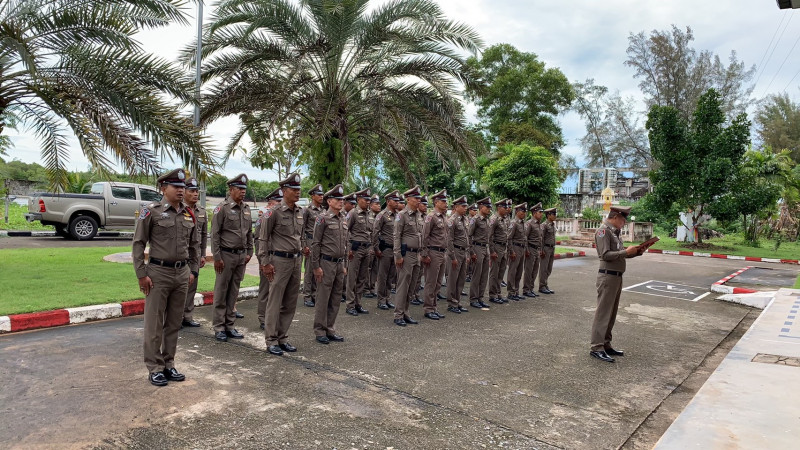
(584, 38)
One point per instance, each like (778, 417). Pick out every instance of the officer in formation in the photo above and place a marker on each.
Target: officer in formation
(612, 256)
(548, 250)
(533, 251)
(383, 247)
(374, 209)
(407, 241)
(279, 252)
(458, 253)
(472, 211)
(232, 247)
(499, 225)
(433, 252)
(517, 241)
(190, 197)
(310, 214)
(358, 224)
(478, 233)
(273, 199)
(170, 228)
(328, 253)
(415, 300)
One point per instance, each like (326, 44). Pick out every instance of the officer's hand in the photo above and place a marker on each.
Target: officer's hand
(474, 257)
(426, 260)
(268, 271)
(306, 251)
(202, 262)
(191, 278)
(399, 263)
(378, 253)
(145, 284)
(513, 256)
(219, 265)
(318, 274)
(493, 256)
(350, 255)
(454, 263)
(247, 260)
(632, 250)
(541, 254)
(344, 269)
(527, 253)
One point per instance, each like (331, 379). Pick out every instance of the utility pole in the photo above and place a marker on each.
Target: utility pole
(198, 57)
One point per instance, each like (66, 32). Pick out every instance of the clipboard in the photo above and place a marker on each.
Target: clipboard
(648, 243)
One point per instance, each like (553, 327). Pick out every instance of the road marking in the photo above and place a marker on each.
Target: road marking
(669, 289)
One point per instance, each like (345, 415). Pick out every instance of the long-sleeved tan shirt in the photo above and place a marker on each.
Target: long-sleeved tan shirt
(434, 232)
(281, 229)
(172, 235)
(231, 227)
(534, 234)
(610, 249)
(330, 237)
(457, 228)
(407, 230)
(383, 229)
(359, 225)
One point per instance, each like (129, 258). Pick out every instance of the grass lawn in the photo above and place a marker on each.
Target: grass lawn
(52, 278)
(797, 283)
(16, 219)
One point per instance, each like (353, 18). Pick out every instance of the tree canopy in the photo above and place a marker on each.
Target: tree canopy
(525, 174)
(778, 124)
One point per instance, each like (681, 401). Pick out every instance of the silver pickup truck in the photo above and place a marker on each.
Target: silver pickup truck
(108, 205)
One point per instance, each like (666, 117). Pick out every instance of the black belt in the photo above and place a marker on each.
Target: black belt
(360, 242)
(383, 245)
(480, 243)
(331, 259)
(460, 247)
(412, 250)
(611, 272)
(518, 245)
(500, 243)
(534, 247)
(438, 249)
(309, 236)
(549, 246)
(286, 254)
(238, 251)
(172, 264)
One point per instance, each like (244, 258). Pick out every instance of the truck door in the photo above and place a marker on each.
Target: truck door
(122, 206)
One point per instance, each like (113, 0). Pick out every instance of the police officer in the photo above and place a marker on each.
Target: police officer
(517, 241)
(328, 254)
(170, 229)
(359, 253)
(232, 247)
(434, 247)
(548, 249)
(415, 300)
(533, 251)
(349, 203)
(499, 226)
(273, 199)
(310, 213)
(407, 241)
(383, 245)
(609, 281)
(279, 252)
(458, 253)
(472, 211)
(374, 209)
(478, 233)
(190, 197)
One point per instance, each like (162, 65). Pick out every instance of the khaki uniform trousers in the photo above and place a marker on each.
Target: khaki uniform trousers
(283, 292)
(531, 270)
(496, 274)
(163, 312)
(357, 276)
(329, 297)
(407, 279)
(456, 277)
(309, 281)
(480, 274)
(263, 296)
(373, 273)
(609, 288)
(386, 271)
(433, 279)
(188, 308)
(515, 269)
(226, 290)
(546, 266)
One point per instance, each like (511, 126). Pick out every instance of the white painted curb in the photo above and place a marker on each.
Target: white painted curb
(95, 312)
(758, 300)
(248, 292)
(198, 300)
(5, 324)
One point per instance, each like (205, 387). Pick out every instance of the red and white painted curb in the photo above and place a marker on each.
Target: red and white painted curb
(720, 256)
(568, 255)
(720, 288)
(67, 316)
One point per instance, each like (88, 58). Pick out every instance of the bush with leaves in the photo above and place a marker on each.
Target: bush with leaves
(525, 174)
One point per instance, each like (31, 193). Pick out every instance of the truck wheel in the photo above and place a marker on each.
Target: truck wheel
(83, 228)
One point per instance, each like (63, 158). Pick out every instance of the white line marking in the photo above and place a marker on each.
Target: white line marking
(698, 298)
(636, 285)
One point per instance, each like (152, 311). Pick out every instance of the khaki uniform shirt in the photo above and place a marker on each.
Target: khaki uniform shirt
(310, 214)
(408, 226)
(383, 228)
(534, 234)
(548, 233)
(498, 233)
(281, 228)
(358, 224)
(609, 248)
(330, 237)
(457, 235)
(172, 235)
(517, 231)
(478, 230)
(231, 227)
(434, 232)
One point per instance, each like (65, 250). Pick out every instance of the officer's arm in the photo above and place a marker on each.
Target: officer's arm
(267, 224)
(194, 250)
(451, 250)
(306, 216)
(203, 226)
(249, 236)
(469, 238)
(490, 233)
(604, 251)
(376, 231)
(316, 241)
(141, 236)
(216, 226)
(426, 232)
(399, 221)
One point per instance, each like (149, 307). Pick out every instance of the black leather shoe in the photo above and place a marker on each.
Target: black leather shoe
(441, 297)
(323, 340)
(483, 304)
(400, 322)
(503, 284)
(335, 338)
(496, 300)
(410, 321)
(234, 333)
(530, 295)
(513, 297)
(463, 293)
(432, 316)
(370, 295)
(190, 323)
(545, 291)
(454, 309)
(173, 375)
(361, 309)
(308, 302)
(287, 347)
(261, 326)
(393, 291)
(602, 356)
(157, 379)
(238, 315)
(416, 301)
(468, 279)
(351, 311)
(503, 299)
(221, 336)
(344, 299)
(475, 305)
(383, 306)
(441, 316)
(389, 304)
(275, 350)
(462, 309)
(612, 352)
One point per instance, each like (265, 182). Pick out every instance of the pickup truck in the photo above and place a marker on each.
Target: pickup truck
(79, 216)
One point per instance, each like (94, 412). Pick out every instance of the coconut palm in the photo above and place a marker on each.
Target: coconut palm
(76, 64)
(350, 76)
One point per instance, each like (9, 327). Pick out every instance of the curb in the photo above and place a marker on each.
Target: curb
(720, 288)
(82, 314)
(720, 256)
(12, 233)
(569, 255)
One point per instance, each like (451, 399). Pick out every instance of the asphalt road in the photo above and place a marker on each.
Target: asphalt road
(517, 376)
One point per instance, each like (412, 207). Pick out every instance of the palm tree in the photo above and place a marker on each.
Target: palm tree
(350, 77)
(76, 63)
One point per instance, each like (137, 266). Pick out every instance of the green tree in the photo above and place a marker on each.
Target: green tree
(525, 174)
(698, 160)
(518, 97)
(271, 151)
(778, 124)
(351, 75)
(77, 63)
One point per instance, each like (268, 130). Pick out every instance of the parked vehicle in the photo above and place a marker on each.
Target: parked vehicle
(80, 216)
